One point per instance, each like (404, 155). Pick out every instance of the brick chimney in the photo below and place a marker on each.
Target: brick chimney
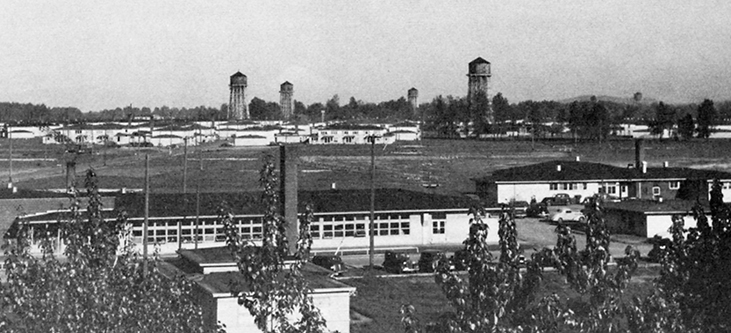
(288, 193)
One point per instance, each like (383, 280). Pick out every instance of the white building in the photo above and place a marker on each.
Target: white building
(403, 219)
(213, 293)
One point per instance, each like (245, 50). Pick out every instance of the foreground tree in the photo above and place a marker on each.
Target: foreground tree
(101, 286)
(499, 297)
(274, 288)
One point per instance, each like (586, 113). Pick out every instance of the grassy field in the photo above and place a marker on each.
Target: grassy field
(450, 163)
(381, 298)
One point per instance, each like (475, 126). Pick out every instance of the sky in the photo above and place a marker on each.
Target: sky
(105, 54)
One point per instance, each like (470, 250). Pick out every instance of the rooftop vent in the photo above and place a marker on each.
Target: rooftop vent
(665, 164)
(558, 167)
(578, 159)
(644, 167)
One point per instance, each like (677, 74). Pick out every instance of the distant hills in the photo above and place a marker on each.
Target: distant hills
(613, 99)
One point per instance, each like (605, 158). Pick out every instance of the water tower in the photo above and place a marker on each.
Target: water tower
(237, 109)
(413, 95)
(286, 91)
(479, 81)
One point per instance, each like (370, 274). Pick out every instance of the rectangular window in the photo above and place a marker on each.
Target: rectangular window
(327, 231)
(315, 231)
(585, 186)
(612, 189)
(656, 190)
(405, 228)
(674, 185)
(438, 227)
(553, 186)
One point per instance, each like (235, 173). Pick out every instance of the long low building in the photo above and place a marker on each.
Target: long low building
(341, 219)
(585, 179)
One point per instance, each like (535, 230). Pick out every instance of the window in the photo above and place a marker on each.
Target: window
(656, 190)
(674, 185)
(585, 186)
(553, 186)
(612, 189)
(438, 227)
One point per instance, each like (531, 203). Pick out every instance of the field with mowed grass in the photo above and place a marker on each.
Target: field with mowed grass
(450, 164)
(379, 299)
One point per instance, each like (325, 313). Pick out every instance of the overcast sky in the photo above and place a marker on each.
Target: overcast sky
(96, 55)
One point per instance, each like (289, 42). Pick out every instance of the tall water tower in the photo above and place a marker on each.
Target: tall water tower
(479, 81)
(413, 95)
(479, 78)
(286, 90)
(237, 109)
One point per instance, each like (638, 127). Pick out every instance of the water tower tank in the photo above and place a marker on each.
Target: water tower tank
(238, 79)
(479, 66)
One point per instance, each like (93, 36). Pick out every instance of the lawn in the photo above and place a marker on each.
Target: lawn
(449, 163)
(380, 298)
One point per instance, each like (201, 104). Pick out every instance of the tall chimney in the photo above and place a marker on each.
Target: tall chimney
(288, 193)
(644, 167)
(70, 175)
(639, 153)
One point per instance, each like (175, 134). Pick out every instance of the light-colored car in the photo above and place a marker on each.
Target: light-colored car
(562, 214)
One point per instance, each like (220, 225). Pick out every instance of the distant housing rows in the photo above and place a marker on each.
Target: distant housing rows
(247, 133)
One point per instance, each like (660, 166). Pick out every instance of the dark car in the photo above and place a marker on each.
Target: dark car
(460, 259)
(331, 262)
(398, 263)
(519, 209)
(429, 260)
(536, 210)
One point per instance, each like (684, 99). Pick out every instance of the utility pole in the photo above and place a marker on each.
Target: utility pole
(185, 190)
(10, 175)
(371, 226)
(147, 215)
(198, 196)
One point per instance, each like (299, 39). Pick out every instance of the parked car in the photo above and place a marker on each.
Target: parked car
(537, 210)
(660, 246)
(519, 209)
(560, 199)
(331, 262)
(429, 260)
(562, 214)
(398, 263)
(460, 259)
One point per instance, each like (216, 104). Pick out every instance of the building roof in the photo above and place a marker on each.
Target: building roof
(585, 171)
(328, 201)
(651, 207)
(352, 127)
(479, 60)
(237, 74)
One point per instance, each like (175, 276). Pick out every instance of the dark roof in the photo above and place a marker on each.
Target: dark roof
(577, 171)
(167, 136)
(6, 193)
(237, 74)
(211, 255)
(654, 207)
(328, 201)
(413, 89)
(317, 278)
(286, 83)
(352, 127)
(479, 60)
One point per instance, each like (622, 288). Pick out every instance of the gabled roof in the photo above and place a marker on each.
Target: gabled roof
(584, 171)
(328, 201)
(650, 207)
(479, 60)
(237, 74)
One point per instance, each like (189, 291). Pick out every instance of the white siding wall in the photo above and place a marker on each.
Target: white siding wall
(524, 192)
(334, 307)
(660, 224)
